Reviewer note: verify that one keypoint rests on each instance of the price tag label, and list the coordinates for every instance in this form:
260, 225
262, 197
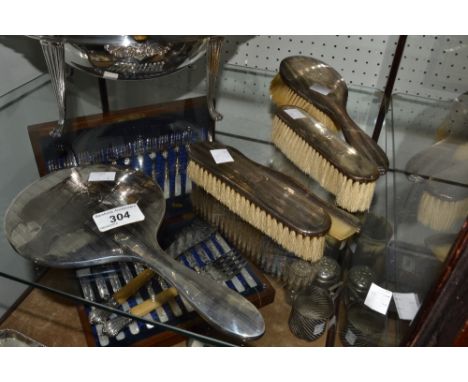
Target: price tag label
221, 156
117, 217
101, 177
110, 75
378, 299
407, 305
295, 113
320, 89
350, 337
319, 328
408, 264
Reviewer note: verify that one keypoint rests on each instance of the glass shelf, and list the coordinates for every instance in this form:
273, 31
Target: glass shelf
404, 264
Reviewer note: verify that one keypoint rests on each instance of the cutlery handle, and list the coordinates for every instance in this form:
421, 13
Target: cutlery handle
114, 326
128, 290
197, 232
99, 316
220, 306
148, 306
363, 143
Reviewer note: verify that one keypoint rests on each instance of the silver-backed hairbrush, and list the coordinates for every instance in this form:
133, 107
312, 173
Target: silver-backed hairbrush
262, 250
270, 201
321, 154
343, 224
444, 201
318, 88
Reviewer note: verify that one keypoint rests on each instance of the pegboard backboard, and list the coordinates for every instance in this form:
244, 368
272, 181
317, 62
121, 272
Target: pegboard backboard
432, 66
361, 60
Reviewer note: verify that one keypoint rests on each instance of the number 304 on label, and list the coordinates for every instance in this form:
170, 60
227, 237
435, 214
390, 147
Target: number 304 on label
117, 217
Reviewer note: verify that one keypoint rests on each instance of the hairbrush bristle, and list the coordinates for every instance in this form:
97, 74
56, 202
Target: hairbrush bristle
282, 94
265, 253
440, 215
343, 224
350, 195
306, 247
248, 240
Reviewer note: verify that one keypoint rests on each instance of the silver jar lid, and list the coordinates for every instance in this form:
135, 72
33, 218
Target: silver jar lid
299, 273
328, 272
360, 278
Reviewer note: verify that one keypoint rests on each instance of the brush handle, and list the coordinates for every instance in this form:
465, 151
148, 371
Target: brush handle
363, 143
222, 307
197, 232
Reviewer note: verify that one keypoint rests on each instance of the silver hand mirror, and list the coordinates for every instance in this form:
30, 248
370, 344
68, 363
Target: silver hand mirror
51, 223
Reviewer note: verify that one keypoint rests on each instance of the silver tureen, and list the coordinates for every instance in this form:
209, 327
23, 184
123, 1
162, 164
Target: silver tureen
126, 57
